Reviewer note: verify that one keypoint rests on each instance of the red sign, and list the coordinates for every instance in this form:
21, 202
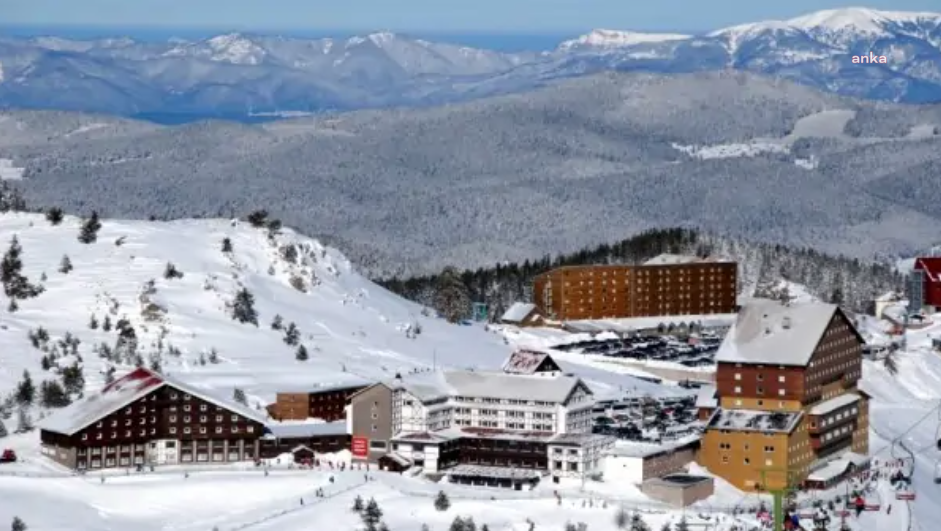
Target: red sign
360, 447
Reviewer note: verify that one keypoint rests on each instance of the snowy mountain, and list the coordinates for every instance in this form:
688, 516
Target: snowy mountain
236, 75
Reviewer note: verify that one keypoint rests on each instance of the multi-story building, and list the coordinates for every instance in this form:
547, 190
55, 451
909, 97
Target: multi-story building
788, 397
925, 284
492, 422
665, 285
144, 418
325, 402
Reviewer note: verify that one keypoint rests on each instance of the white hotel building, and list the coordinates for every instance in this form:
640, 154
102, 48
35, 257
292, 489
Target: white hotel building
506, 428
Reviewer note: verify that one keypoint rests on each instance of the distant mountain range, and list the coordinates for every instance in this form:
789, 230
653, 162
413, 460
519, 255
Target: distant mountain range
244, 76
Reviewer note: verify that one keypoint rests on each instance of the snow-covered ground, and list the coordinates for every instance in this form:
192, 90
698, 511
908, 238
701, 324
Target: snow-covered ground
351, 327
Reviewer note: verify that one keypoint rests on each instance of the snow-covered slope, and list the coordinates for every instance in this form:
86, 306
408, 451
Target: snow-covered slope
351, 327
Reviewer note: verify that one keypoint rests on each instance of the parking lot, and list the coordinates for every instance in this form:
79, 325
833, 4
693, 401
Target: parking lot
646, 419
698, 352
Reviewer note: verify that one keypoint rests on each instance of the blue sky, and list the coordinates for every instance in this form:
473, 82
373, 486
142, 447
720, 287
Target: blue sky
518, 16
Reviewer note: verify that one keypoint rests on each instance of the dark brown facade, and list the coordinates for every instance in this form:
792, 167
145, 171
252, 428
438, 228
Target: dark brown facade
618, 291
322, 444
165, 426
327, 404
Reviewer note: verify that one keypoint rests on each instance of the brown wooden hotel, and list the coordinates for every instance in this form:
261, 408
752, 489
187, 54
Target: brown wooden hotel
788, 398
665, 285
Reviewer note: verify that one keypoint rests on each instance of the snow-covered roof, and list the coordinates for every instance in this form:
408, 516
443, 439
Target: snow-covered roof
889, 296
524, 362
303, 429
706, 397
834, 404
517, 312
485, 384
836, 468
754, 420
669, 259
125, 390
641, 450
326, 387
775, 333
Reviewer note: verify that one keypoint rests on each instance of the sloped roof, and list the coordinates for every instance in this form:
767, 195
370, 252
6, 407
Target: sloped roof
706, 397
125, 390
486, 384
524, 362
770, 332
517, 312
304, 429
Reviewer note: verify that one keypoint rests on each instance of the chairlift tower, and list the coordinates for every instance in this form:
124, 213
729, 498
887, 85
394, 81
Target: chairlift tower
779, 491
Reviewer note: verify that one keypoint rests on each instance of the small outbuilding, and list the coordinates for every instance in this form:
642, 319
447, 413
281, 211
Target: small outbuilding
522, 314
679, 490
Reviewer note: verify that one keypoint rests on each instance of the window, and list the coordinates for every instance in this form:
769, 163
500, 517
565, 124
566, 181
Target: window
235, 418
235, 429
186, 407
172, 430
250, 429
738, 389
203, 407
760, 377
747, 461
218, 429
84, 436
218, 418
187, 418
173, 396
781, 378
725, 459
780, 392
187, 397
738, 376
187, 430
202, 418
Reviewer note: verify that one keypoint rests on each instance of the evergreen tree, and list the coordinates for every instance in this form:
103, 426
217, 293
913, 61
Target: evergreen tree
292, 335
358, 504
424, 527
54, 215
18, 524
442, 503
25, 390
213, 356
457, 524
170, 272
569, 526
238, 396
106, 324
621, 518
451, 300
15, 284
73, 379
371, 515
89, 231
469, 524
226, 245
277, 323
258, 218
666, 527
53, 395
3, 430
682, 525
243, 307
93, 322
638, 523
11, 200
301, 354
65, 265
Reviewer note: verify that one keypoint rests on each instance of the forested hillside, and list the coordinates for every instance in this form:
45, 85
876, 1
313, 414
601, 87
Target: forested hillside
838, 279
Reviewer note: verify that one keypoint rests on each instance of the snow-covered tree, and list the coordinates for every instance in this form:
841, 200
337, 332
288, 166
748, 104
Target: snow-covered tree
25, 390
301, 354
18, 524
621, 518
54, 215
243, 307
292, 335
451, 299
238, 395
90, 227
442, 503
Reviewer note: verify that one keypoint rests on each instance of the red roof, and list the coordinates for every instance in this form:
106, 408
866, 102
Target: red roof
931, 266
